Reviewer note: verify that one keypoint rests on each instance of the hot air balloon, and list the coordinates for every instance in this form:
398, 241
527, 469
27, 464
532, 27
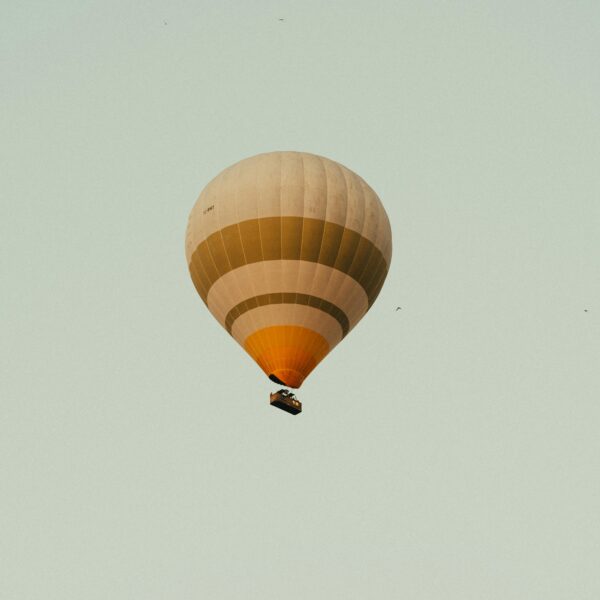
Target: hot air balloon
288, 250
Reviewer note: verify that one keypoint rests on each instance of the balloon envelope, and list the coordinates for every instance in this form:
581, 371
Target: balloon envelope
288, 250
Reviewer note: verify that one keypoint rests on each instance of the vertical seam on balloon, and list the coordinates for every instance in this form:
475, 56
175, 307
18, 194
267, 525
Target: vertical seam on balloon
310, 289
386, 250
344, 173
268, 341
194, 268
280, 290
364, 220
263, 344
219, 206
324, 221
371, 250
228, 252
376, 283
333, 269
303, 220
377, 278
239, 231
373, 247
210, 251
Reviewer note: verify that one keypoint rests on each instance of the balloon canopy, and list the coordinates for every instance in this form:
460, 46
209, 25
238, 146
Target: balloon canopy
288, 251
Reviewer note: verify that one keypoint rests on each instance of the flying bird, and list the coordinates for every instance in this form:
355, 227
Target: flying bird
399, 308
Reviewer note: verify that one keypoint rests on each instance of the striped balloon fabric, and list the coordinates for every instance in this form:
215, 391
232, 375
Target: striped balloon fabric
288, 250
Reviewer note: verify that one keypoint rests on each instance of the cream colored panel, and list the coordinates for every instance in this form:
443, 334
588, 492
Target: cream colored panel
292, 184
224, 211
246, 192
284, 184
307, 278
372, 213
269, 185
315, 187
280, 314
356, 205
344, 292
337, 200
203, 218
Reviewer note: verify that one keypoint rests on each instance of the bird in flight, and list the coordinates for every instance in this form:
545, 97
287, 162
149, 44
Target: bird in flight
399, 308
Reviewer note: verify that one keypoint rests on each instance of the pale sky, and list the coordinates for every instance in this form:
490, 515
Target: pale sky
449, 450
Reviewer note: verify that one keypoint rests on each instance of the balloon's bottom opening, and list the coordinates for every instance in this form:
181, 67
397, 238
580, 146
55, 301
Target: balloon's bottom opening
288, 377
276, 379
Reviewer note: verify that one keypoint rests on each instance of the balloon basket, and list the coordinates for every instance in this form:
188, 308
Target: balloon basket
286, 400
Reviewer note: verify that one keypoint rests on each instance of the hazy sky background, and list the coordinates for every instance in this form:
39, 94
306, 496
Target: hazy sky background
450, 450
